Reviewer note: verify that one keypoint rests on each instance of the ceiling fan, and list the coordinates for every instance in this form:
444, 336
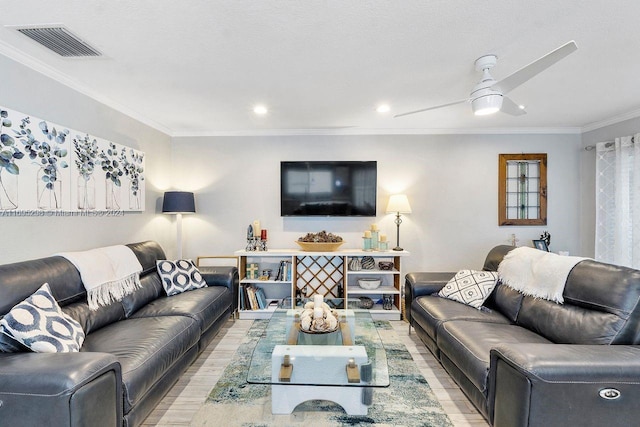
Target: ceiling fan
488, 96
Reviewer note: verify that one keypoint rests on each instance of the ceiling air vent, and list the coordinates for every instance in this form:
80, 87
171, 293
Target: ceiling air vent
60, 40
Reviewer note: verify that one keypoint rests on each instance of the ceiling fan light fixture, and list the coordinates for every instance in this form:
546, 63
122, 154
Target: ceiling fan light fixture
485, 105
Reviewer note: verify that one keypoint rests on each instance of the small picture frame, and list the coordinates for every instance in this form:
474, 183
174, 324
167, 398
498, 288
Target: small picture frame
541, 244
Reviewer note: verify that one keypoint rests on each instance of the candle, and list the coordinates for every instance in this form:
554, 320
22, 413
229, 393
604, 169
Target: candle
383, 237
374, 227
263, 234
317, 313
367, 234
317, 301
256, 228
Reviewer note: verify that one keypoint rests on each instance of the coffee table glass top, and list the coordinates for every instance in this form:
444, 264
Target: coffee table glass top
355, 348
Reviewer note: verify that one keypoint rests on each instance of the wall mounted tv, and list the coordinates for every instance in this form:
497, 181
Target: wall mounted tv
330, 188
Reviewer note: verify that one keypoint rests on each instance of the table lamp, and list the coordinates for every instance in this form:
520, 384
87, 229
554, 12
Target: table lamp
398, 204
178, 203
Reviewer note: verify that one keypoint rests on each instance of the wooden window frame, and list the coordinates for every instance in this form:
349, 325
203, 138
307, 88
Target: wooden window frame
502, 189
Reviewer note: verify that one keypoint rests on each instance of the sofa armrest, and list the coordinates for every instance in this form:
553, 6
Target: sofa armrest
418, 284
223, 276
559, 385
62, 389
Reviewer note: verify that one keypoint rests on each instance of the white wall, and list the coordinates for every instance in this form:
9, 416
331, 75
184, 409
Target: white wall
588, 172
451, 182
23, 238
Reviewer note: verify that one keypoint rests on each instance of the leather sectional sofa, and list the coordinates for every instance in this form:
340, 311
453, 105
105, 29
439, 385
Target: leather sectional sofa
134, 350
524, 361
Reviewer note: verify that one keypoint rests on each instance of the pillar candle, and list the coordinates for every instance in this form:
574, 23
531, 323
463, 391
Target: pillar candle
383, 237
263, 234
374, 227
256, 228
317, 300
367, 234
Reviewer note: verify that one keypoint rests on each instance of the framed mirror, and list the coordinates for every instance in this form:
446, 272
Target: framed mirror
522, 189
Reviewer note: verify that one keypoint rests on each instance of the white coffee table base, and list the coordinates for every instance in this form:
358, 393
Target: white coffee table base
285, 398
313, 364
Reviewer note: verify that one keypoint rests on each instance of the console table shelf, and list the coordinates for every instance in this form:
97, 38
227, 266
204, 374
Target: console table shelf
326, 273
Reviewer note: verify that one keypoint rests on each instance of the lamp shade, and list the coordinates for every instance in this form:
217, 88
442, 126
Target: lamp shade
398, 203
178, 202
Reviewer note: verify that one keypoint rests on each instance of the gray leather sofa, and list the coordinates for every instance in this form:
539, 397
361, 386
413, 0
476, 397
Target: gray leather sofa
524, 361
134, 350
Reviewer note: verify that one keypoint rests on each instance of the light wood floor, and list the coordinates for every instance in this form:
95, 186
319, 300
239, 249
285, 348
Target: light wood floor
184, 399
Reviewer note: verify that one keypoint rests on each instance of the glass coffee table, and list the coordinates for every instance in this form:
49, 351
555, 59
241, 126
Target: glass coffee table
344, 366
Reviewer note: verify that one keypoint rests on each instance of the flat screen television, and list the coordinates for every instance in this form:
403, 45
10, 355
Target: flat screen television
328, 188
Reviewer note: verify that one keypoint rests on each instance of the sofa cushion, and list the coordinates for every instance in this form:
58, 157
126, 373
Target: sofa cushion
21, 279
146, 348
468, 344
506, 300
430, 311
149, 290
601, 306
92, 320
39, 323
568, 324
205, 305
179, 276
470, 287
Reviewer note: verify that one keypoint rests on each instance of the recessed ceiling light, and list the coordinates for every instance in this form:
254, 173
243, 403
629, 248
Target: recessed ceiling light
260, 110
383, 108
521, 107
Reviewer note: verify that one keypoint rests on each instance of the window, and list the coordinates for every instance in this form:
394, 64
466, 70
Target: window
522, 189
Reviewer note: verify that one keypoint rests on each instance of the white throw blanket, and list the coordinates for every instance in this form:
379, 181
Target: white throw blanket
108, 273
537, 273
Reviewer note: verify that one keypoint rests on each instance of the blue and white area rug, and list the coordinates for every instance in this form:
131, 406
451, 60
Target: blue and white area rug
408, 401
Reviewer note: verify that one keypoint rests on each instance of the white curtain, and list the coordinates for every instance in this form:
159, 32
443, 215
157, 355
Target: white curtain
618, 201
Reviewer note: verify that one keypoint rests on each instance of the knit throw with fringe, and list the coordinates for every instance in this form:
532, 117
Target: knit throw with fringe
108, 274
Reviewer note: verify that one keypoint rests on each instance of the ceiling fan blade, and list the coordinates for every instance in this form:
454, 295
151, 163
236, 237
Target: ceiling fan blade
525, 73
432, 108
510, 107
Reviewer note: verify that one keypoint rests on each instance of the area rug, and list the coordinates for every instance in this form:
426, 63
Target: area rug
408, 401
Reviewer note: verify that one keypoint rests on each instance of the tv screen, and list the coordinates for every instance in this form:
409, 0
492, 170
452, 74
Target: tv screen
340, 188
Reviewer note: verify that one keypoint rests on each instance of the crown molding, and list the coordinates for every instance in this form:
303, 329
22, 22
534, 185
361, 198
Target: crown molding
611, 121
365, 131
44, 69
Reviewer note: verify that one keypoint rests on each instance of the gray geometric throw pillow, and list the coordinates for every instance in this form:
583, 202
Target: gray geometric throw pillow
470, 287
40, 324
179, 276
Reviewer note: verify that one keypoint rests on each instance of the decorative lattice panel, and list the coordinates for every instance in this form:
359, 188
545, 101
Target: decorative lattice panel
319, 275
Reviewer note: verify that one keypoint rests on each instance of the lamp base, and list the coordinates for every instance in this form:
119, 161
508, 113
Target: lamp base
398, 248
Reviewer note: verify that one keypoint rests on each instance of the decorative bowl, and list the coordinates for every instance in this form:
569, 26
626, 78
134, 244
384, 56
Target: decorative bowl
369, 283
365, 302
319, 246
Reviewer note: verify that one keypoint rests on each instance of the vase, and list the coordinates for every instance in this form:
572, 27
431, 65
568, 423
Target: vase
112, 200
8, 190
134, 197
86, 192
49, 192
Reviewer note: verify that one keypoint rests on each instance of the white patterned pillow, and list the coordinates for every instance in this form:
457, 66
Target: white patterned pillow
470, 287
179, 276
39, 323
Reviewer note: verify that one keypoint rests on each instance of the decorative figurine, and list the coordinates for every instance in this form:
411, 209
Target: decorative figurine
546, 237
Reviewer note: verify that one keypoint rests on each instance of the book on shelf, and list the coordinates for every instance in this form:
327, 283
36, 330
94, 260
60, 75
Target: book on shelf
252, 298
284, 271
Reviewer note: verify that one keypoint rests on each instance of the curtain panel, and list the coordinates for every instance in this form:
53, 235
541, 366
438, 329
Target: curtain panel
618, 201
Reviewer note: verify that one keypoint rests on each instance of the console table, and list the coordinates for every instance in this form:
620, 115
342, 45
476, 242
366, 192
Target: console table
324, 273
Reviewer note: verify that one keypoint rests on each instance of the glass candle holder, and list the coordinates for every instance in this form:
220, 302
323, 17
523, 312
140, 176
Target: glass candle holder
366, 243
383, 246
374, 239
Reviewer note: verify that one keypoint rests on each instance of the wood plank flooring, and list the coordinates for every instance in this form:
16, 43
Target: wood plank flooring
184, 399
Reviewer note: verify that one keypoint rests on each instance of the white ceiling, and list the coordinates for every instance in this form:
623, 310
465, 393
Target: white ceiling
194, 67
